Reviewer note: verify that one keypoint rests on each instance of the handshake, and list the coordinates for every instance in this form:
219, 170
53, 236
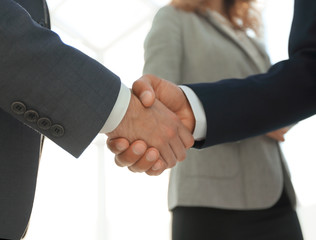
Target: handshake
156, 130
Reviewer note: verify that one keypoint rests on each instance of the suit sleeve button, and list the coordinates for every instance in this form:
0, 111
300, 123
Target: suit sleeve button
44, 123
18, 108
57, 130
31, 116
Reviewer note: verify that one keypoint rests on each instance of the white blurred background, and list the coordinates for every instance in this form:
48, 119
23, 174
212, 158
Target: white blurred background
90, 197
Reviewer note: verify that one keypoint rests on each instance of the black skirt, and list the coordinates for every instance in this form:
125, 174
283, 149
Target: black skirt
279, 222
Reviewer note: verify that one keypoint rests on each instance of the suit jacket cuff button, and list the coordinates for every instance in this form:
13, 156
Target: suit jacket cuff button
18, 108
31, 116
57, 130
44, 123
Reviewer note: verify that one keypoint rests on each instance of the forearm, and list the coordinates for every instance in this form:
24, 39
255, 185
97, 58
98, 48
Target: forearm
237, 109
57, 81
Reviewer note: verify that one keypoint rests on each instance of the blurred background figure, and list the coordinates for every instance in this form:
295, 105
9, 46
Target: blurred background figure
239, 190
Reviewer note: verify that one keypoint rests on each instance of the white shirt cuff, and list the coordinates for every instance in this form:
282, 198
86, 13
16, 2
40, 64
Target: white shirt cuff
199, 113
118, 111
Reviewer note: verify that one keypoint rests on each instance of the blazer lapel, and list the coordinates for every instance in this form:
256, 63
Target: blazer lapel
229, 35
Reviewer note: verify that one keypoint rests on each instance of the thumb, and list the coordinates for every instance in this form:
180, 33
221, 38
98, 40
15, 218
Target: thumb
143, 89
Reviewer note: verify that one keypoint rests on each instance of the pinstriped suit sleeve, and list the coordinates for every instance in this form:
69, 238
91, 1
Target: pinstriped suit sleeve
286, 94
55, 80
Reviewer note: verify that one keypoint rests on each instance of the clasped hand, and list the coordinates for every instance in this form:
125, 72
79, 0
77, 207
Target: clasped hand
156, 130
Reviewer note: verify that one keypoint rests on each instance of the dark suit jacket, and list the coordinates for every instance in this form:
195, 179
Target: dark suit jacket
48, 87
237, 109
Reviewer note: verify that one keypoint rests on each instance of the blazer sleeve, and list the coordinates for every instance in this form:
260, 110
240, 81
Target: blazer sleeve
241, 108
163, 48
51, 87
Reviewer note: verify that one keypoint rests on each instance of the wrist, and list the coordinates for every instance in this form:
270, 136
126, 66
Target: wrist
127, 120
118, 110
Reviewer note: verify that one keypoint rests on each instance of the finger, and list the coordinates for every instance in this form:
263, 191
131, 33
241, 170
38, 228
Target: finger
130, 156
170, 145
157, 169
280, 135
167, 155
186, 137
117, 145
146, 162
281, 138
144, 90
277, 136
178, 148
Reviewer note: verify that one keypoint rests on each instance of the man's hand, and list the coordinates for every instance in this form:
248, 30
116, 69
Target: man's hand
137, 156
149, 87
158, 127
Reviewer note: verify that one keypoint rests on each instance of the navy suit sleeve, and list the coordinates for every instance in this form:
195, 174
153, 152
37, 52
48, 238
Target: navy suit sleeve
241, 108
57, 82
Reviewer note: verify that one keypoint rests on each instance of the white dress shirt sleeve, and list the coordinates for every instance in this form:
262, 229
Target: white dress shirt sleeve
199, 113
118, 111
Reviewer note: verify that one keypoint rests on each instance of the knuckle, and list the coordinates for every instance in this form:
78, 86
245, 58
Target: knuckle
135, 84
171, 133
160, 142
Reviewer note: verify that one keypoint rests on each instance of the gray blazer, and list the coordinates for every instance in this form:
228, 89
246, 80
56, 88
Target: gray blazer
187, 48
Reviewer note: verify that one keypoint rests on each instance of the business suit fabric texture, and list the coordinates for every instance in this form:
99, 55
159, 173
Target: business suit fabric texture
184, 48
20, 148
63, 83
43, 83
